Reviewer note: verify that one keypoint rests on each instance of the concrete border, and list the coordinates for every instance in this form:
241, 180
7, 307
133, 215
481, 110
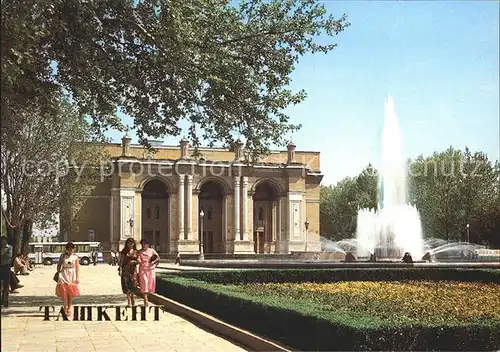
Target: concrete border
240, 336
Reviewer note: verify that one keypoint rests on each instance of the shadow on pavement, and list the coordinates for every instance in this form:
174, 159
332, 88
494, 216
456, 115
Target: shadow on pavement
26, 304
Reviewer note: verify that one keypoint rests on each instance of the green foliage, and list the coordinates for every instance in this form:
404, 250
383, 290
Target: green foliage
344, 274
222, 66
339, 204
304, 325
38, 149
450, 189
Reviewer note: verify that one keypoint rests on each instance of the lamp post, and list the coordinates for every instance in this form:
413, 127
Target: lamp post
468, 237
202, 214
306, 224
131, 223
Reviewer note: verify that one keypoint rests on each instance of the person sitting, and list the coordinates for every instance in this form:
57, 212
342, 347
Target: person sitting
25, 259
14, 283
20, 266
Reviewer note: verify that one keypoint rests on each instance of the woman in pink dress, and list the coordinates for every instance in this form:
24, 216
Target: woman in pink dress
69, 274
148, 258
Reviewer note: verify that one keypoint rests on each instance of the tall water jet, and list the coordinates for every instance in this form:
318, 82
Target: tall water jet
394, 227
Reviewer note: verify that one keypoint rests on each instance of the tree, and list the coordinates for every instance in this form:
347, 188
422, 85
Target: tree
339, 204
222, 66
452, 189
37, 150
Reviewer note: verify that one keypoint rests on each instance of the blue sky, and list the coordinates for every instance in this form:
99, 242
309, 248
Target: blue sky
440, 62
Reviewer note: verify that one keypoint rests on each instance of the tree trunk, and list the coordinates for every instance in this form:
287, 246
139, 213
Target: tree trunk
27, 233
13, 237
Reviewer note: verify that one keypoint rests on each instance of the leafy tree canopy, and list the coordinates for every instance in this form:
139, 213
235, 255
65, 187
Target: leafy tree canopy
222, 66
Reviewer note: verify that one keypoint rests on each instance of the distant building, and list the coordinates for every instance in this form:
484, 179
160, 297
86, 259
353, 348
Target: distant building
268, 207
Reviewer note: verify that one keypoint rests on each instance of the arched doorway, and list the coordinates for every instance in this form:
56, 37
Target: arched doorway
264, 222
210, 201
155, 215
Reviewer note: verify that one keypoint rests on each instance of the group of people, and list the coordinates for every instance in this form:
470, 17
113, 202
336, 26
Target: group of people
135, 267
9, 280
142, 280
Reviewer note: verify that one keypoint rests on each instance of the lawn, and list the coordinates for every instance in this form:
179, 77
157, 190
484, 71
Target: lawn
349, 309
408, 303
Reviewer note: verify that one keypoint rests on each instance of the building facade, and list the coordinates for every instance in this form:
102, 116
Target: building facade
213, 202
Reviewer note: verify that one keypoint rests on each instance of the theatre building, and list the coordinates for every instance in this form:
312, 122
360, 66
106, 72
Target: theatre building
214, 201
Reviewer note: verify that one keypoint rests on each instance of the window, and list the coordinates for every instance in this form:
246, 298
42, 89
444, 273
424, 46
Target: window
209, 215
148, 212
82, 248
55, 249
261, 214
157, 211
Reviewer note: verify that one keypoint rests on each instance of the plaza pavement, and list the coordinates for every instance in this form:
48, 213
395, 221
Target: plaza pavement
23, 328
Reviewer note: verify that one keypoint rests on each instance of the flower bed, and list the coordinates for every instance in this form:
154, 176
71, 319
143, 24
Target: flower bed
410, 302
350, 315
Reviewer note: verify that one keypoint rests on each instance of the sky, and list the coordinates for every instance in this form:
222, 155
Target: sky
439, 60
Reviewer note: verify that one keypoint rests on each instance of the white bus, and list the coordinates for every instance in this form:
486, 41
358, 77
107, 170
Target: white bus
48, 253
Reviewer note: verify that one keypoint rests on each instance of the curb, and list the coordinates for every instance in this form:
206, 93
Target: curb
240, 336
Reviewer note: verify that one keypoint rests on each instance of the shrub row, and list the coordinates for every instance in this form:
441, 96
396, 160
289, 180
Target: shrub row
335, 275
312, 332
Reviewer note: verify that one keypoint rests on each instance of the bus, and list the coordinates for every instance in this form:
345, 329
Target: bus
48, 253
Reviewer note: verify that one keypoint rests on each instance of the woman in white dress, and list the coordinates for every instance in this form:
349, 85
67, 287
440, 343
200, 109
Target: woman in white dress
69, 273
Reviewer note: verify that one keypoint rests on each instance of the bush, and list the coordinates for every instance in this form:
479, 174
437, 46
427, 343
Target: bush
305, 327
335, 275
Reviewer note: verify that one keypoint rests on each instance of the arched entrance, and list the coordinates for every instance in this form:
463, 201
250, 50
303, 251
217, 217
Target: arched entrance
155, 215
264, 221
210, 201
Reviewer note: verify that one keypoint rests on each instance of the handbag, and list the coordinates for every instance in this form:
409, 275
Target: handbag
153, 258
56, 276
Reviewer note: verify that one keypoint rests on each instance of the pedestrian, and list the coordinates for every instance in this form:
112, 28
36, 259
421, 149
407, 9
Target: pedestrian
5, 264
114, 260
68, 269
94, 256
148, 258
128, 270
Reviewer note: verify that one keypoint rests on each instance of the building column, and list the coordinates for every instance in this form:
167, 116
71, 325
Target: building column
189, 210
224, 223
244, 208
278, 225
127, 203
111, 224
180, 220
237, 234
139, 214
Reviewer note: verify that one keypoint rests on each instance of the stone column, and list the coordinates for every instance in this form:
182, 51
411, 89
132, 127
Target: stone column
181, 207
244, 208
278, 225
111, 224
126, 145
237, 234
189, 210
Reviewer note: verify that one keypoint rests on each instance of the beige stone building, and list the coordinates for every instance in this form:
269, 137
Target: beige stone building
180, 203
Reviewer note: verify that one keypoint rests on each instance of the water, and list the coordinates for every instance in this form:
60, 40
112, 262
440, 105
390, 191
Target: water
394, 227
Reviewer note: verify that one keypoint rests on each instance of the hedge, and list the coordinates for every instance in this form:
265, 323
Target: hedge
335, 275
305, 329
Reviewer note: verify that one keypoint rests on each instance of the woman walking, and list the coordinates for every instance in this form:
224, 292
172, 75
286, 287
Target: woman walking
128, 270
69, 277
148, 258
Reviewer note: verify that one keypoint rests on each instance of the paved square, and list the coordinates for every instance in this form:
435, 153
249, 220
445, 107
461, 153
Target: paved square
23, 327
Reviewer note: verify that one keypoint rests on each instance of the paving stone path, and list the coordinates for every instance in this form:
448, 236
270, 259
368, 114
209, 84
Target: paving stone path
24, 329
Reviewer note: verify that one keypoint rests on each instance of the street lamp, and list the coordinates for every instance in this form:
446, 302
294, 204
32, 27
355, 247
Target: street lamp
468, 237
306, 224
202, 214
131, 224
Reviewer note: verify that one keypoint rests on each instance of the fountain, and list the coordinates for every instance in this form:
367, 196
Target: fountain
394, 228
